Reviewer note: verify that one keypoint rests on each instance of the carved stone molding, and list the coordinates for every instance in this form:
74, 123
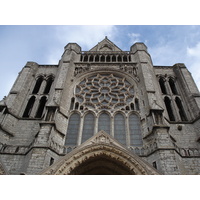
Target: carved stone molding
105, 91
130, 68
101, 145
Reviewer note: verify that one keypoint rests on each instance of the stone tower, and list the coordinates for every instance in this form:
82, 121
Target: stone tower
102, 111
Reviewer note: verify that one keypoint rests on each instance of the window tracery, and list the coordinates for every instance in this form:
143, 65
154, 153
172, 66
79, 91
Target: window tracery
104, 91
172, 97
107, 102
38, 97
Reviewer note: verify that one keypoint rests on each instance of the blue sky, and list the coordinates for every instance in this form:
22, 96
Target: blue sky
45, 44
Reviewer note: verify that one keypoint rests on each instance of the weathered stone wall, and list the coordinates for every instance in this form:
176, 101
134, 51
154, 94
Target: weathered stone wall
31, 145
191, 166
13, 163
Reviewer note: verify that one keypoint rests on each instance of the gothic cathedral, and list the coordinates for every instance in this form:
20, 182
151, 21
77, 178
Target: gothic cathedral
101, 112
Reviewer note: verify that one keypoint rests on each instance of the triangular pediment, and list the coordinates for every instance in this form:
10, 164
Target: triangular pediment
105, 45
102, 138
101, 145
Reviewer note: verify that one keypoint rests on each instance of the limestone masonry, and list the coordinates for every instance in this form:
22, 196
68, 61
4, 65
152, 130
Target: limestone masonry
102, 111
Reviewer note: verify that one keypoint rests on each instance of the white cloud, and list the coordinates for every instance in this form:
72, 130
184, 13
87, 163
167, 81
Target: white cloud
193, 54
172, 52
134, 37
166, 54
167, 45
195, 51
85, 36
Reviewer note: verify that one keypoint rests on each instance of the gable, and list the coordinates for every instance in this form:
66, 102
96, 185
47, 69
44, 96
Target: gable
105, 45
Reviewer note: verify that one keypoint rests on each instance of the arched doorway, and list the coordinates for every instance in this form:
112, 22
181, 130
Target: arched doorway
101, 165
101, 155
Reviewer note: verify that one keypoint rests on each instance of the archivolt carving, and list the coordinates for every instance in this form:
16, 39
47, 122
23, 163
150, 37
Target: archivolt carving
119, 155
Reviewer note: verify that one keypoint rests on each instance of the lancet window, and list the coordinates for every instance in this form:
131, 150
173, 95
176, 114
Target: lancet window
172, 98
29, 107
49, 83
38, 97
73, 129
119, 128
104, 123
126, 130
37, 85
88, 127
135, 130
162, 86
169, 108
180, 109
173, 86
41, 106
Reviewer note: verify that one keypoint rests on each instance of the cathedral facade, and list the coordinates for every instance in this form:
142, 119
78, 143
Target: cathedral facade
101, 112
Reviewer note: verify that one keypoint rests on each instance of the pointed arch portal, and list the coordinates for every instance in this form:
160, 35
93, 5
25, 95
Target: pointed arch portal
101, 155
101, 164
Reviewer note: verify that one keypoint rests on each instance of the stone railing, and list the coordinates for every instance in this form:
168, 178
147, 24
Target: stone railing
188, 152
140, 151
146, 150
14, 149
11, 149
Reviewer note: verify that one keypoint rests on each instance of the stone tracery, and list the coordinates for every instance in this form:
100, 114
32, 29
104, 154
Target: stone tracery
104, 97
104, 91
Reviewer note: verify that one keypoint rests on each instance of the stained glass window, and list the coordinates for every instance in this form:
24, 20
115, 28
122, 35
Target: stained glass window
104, 92
88, 127
119, 128
135, 131
104, 123
73, 129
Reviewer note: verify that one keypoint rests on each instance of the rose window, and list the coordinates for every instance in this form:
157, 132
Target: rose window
104, 91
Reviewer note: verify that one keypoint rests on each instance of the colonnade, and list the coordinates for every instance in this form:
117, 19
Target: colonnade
105, 58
